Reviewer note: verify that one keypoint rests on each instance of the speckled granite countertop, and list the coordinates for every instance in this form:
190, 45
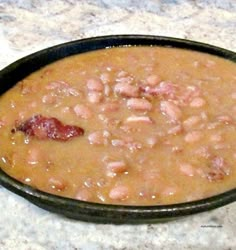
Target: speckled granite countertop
29, 25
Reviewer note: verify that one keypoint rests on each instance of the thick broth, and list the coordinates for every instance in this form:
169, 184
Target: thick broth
158, 126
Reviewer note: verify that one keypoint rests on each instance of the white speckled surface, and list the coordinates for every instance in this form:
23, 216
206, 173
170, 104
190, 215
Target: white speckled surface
30, 25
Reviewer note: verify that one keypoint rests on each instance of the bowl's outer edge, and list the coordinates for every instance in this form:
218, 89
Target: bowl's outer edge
98, 212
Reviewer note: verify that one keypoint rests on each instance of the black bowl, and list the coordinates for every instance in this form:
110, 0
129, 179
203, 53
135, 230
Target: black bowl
89, 211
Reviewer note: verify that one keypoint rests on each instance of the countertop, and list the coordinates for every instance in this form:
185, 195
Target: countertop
29, 25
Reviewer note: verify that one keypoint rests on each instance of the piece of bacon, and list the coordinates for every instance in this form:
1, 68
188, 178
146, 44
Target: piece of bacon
44, 127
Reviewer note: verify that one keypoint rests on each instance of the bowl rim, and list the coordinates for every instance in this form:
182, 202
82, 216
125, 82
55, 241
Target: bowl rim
96, 212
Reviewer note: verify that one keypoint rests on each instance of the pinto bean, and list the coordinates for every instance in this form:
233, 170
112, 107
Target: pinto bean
110, 107
153, 80
204, 116
175, 130
57, 183
126, 90
152, 141
122, 73
95, 85
102, 182
118, 143
225, 119
72, 92
49, 99
95, 97
212, 125
190, 93
164, 89
82, 111
62, 88
187, 169
142, 119
57, 85
117, 167
34, 156
197, 102
65, 110
105, 77
139, 104
176, 149
83, 195
196, 64
171, 110
203, 151
33, 104
193, 136
133, 146
125, 80
107, 90
99, 137
119, 193
191, 121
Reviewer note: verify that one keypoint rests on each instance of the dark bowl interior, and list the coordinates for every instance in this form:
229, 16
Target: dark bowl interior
89, 211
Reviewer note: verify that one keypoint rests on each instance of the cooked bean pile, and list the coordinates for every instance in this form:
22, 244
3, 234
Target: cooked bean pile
133, 126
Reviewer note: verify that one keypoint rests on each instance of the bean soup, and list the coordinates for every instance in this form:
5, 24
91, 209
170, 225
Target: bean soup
128, 125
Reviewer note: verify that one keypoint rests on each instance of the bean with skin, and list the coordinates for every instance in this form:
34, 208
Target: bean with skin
153, 80
219, 169
95, 85
191, 121
117, 167
95, 97
175, 130
152, 141
126, 90
187, 169
142, 119
197, 102
193, 136
49, 99
139, 104
83, 195
166, 89
34, 156
98, 137
119, 193
110, 107
57, 183
171, 110
82, 111
105, 77
118, 143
